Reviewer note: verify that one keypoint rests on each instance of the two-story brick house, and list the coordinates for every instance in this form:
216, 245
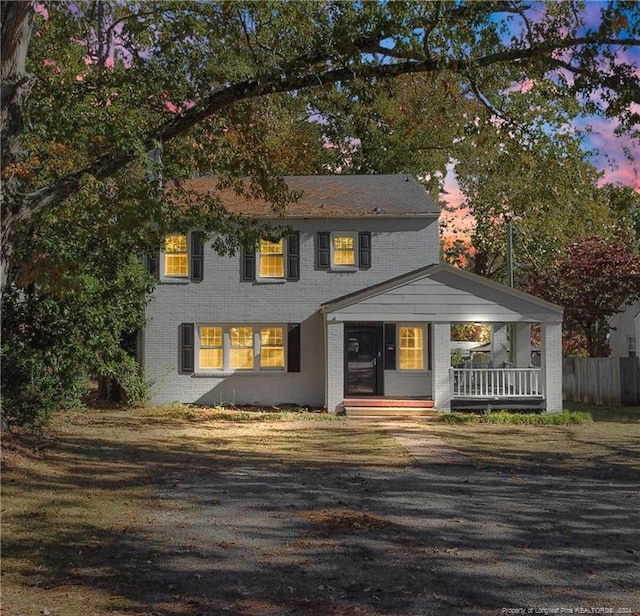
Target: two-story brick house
351, 307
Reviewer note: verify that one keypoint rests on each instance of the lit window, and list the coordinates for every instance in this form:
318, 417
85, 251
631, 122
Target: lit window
175, 256
271, 347
211, 348
241, 348
344, 249
271, 259
411, 348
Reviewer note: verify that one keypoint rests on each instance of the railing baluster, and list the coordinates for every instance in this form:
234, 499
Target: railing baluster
496, 382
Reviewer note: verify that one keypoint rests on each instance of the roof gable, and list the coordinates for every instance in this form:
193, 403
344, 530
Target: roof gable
442, 292
333, 196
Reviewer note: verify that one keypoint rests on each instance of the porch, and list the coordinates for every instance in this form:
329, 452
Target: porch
409, 347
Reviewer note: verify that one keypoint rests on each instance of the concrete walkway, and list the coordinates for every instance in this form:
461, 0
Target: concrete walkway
425, 448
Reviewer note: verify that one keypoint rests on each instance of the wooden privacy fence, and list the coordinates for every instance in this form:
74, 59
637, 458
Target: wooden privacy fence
601, 380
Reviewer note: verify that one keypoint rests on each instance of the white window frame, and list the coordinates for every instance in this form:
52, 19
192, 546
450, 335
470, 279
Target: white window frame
226, 349
162, 263
339, 266
282, 278
425, 343
632, 346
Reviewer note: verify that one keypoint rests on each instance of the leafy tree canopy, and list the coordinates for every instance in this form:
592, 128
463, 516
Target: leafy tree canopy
107, 82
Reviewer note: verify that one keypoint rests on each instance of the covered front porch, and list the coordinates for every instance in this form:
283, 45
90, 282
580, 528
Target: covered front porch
407, 354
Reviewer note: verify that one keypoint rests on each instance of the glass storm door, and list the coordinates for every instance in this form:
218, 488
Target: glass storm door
363, 344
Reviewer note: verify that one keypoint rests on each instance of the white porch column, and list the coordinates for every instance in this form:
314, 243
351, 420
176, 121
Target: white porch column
551, 334
441, 340
521, 353
499, 345
334, 394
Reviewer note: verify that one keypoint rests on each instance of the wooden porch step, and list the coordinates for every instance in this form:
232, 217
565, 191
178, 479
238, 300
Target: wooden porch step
389, 407
398, 403
364, 412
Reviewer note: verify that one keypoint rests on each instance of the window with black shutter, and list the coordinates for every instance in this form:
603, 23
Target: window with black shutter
323, 250
364, 249
390, 346
187, 348
293, 347
247, 265
293, 256
197, 256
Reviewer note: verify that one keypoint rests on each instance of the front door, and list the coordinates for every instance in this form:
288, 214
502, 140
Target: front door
363, 345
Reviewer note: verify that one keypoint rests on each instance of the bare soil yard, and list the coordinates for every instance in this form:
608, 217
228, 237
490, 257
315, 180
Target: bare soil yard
181, 512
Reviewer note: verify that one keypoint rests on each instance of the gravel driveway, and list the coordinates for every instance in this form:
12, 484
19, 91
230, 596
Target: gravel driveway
431, 538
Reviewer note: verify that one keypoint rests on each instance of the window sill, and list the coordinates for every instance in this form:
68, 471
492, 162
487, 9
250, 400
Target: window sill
270, 280
174, 281
218, 374
343, 270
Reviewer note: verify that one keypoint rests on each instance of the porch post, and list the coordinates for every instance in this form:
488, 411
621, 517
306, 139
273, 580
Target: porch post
334, 351
551, 334
521, 354
441, 335
499, 345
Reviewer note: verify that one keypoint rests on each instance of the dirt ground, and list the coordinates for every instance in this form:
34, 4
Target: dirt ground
152, 516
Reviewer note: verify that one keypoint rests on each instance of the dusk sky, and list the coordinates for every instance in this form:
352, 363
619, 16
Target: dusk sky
617, 157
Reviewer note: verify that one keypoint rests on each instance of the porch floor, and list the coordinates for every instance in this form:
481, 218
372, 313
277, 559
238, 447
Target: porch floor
389, 407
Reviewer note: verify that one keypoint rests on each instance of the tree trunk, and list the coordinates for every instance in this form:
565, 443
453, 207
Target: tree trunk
15, 82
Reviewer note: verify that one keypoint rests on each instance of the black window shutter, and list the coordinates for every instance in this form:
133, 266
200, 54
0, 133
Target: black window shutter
389, 346
153, 264
429, 354
197, 256
323, 250
293, 256
364, 249
187, 348
293, 348
248, 265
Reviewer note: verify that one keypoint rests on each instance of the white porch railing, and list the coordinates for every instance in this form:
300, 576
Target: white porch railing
496, 382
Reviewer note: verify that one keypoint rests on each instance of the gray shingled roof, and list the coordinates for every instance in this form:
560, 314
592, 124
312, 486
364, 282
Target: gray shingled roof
335, 196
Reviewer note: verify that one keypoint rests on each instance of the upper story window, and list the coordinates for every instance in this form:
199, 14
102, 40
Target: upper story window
180, 260
271, 259
176, 258
343, 250
631, 346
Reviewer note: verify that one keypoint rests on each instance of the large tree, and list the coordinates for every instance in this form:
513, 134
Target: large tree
100, 84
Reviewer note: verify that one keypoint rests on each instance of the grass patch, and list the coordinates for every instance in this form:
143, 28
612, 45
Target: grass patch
565, 418
192, 412
606, 413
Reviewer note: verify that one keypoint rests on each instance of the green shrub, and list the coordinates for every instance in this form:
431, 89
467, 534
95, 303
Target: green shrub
564, 418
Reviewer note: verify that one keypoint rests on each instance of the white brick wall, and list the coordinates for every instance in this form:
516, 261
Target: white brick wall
222, 298
335, 366
552, 365
441, 333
